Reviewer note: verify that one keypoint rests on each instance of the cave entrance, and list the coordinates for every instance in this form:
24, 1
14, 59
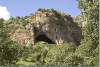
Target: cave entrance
44, 38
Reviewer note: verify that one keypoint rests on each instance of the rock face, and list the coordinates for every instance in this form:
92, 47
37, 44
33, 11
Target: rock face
53, 27
48, 26
22, 36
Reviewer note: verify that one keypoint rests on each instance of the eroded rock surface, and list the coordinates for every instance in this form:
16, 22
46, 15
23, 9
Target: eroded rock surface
55, 26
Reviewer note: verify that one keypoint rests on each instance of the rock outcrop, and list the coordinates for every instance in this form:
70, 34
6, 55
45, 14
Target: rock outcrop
49, 26
53, 27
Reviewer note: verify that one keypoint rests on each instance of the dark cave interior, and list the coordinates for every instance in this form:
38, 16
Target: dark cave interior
44, 38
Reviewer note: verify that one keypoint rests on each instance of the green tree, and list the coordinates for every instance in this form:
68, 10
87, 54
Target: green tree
88, 48
90, 13
9, 50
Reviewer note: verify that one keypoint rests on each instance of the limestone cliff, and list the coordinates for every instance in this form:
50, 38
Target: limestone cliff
54, 27
46, 25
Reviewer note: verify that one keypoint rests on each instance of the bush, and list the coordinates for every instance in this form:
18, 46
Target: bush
86, 48
9, 50
58, 53
34, 55
74, 60
9, 53
89, 51
46, 54
91, 61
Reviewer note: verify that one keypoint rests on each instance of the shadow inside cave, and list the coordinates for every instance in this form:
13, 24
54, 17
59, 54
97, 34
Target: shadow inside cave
43, 37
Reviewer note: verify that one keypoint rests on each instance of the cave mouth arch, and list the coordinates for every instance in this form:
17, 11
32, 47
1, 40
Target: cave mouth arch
43, 37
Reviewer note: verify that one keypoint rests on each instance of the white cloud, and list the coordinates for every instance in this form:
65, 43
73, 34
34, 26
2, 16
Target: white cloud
4, 13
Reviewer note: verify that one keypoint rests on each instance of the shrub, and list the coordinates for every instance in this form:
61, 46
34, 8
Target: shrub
58, 53
34, 55
46, 54
9, 53
86, 48
74, 60
9, 50
89, 51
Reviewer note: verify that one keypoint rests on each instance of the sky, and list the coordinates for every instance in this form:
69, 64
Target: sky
26, 7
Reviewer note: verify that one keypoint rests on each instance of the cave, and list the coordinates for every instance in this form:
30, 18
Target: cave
44, 38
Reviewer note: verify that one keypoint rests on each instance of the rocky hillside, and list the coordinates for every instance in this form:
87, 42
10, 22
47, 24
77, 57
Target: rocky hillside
50, 26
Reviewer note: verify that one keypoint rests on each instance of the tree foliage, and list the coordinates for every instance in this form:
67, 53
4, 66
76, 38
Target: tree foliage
9, 50
90, 13
87, 53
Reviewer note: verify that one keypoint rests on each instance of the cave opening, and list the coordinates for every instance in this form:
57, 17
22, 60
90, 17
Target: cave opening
44, 38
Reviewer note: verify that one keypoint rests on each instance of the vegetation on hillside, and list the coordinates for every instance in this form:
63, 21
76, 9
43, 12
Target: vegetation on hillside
86, 54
